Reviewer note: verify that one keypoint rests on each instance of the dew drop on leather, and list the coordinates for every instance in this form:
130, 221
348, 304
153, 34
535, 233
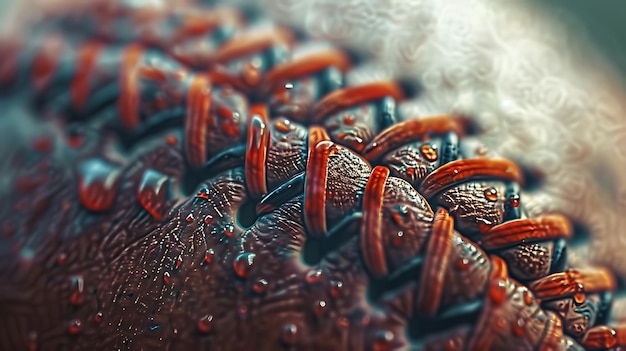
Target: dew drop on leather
462, 264
205, 324
579, 298
527, 297
244, 264
314, 276
519, 327
208, 219
171, 140
77, 296
397, 239
491, 194
514, 201
179, 262
336, 288
383, 340
203, 194
98, 182
283, 126
208, 256
166, 277
153, 192
497, 291
319, 307
229, 230
260, 286
290, 334
74, 327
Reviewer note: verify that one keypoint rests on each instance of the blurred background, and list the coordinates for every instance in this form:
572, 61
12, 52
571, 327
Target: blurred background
545, 79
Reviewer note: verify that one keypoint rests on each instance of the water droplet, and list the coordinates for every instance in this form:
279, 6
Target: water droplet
98, 183
98, 317
462, 264
519, 327
153, 192
189, 218
319, 307
208, 219
336, 288
528, 297
229, 230
397, 239
205, 324
349, 119
383, 340
455, 171
175, 333
260, 286
208, 256
61, 259
179, 261
491, 194
497, 291
74, 326
203, 193
514, 201
244, 264
171, 140
579, 298
314, 276
77, 296
166, 277
283, 125
290, 334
